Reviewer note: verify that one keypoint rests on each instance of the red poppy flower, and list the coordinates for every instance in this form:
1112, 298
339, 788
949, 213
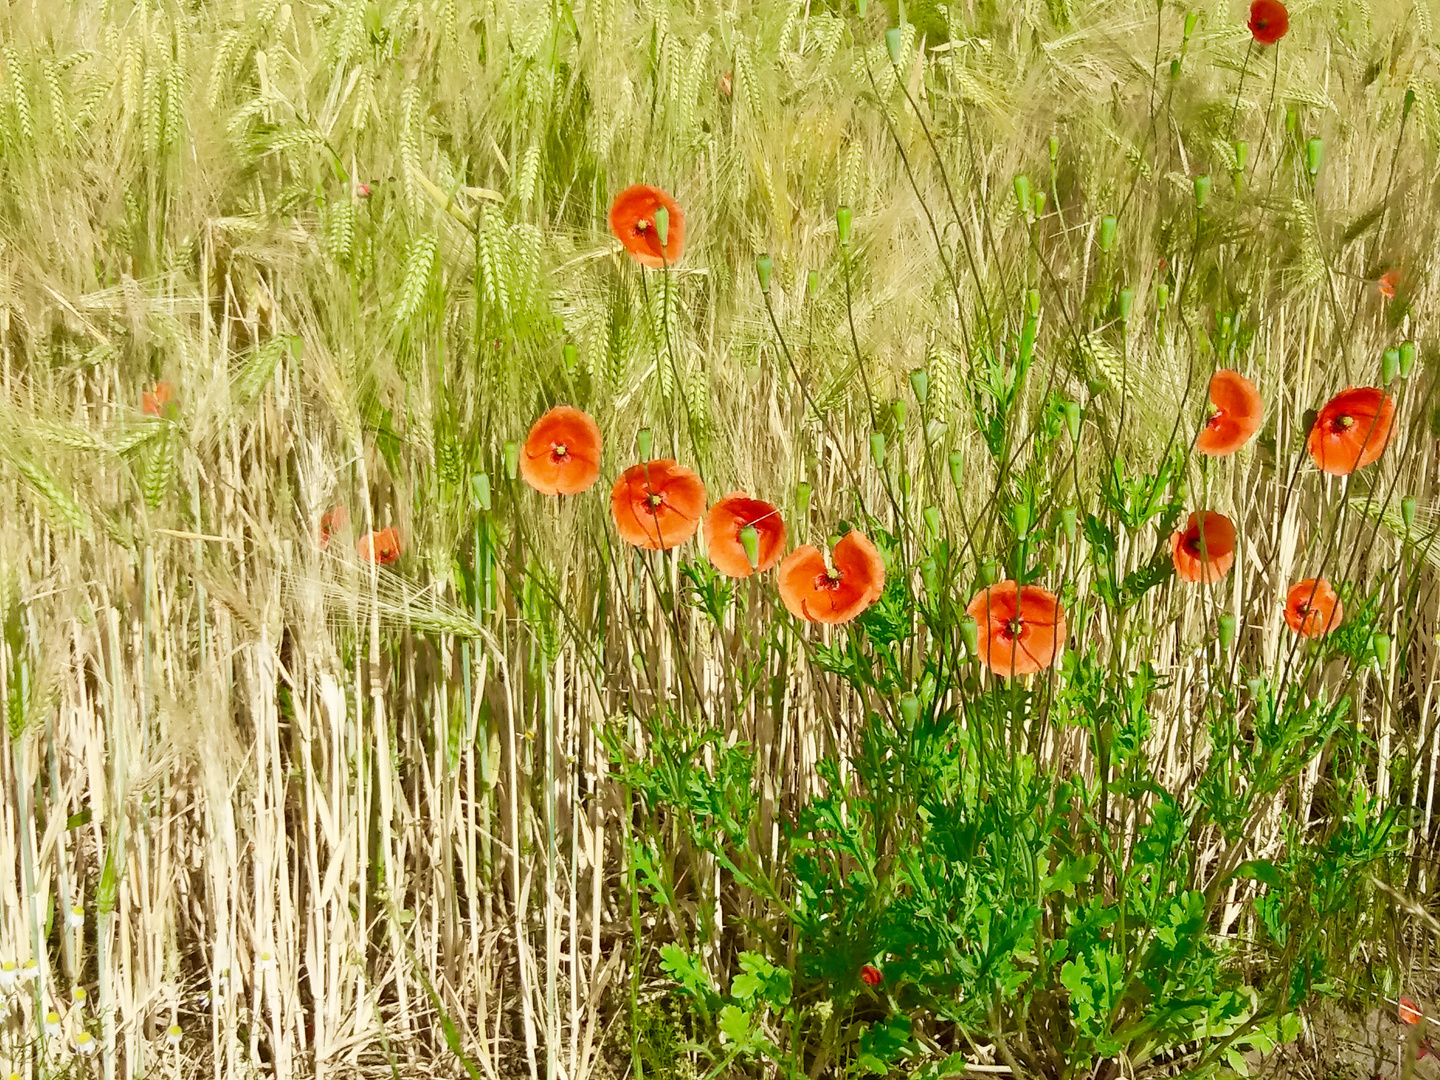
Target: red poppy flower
1205, 550
1268, 21
331, 522
1312, 608
657, 505
722, 534
155, 400
1410, 1013
836, 593
381, 547
725, 84
562, 452
1021, 627
871, 975
1238, 411
1351, 430
632, 219
1389, 284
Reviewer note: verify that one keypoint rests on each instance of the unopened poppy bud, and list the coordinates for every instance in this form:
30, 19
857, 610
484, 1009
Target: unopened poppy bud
1020, 519
1039, 208
812, 282
1174, 69
1381, 644
1314, 151
1227, 630
1067, 522
860, 6
930, 575
987, 573
900, 411
1027, 339
1407, 512
802, 500
970, 634
1032, 302
1202, 191
910, 709
764, 267
842, 224
512, 459
1127, 303
892, 44
1409, 102
1191, 19
1107, 232
1407, 358
1022, 193
750, 541
1292, 120
920, 384
1242, 155
662, 225
644, 440
480, 487
1389, 365
932, 521
1162, 296
1072, 419
570, 356
957, 469
877, 449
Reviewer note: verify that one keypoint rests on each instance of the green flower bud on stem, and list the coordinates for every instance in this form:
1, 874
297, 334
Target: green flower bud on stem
1381, 644
910, 709
957, 470
1162, 296
842, 224
920, 385
1227, 631
644, 440
900, 411
877, 449
892, 44
512, 459
1072, 419
1127, 304
480, 487
1407, 512
764, 267
1067, 522
988, 573
750, 541
970, 634
812, 282
1022, 194
1407, 358
1020, 519
930, 575
1202, 191
1107, 232
662, 225
1314, 152
932, 521
1389, 366
1039, 207
1242, 155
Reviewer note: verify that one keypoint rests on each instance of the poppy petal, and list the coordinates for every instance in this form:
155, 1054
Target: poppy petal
561, 455
632, 220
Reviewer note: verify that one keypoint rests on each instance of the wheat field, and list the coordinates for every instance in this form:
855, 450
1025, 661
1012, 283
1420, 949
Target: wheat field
271, 809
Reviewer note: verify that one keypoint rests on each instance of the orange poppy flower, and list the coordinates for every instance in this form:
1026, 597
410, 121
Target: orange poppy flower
1021, 627
1208, 558
657, 505
331, 522
1410, 1013
1389, 284
632, 219
1268, 21
562, 452
154, 401
381, 547
722, 534
1238, 411
1351, 430
1312, 608
871, 974
836, 593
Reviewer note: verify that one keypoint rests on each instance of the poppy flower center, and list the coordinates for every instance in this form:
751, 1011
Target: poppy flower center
1303, 607
1012, 627
559, 451
828, 581
1343, 423
642, 225
653, 502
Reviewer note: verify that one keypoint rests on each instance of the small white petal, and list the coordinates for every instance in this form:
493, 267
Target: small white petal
85, 1043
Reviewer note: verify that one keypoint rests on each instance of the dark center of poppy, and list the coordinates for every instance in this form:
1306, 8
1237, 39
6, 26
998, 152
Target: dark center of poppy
653, 502
1344, 423
1262, 22
1011, 628
828, 581
1303, 607
559, 451
642, 225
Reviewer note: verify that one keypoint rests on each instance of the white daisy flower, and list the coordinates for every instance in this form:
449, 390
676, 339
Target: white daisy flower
78, 995
52, 1023
85, 1043
172, 1034
267, 962
75, 917
30, 972
9, 974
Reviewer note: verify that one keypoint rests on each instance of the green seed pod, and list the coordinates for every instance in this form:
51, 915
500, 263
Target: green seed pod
910, 709
892, 44
812, 282
1381, 644
1020, 519
1054, 149
480, 487
1314, 152
957, 469
877, 449
987, 574
764, 267
750, 541
512, 459
900, 412
920, 385
644, 440
930, 575
1072, 419
662, 225
1227, 631
1039, 204
1292, 119
1407, 512
1107, 232
1067, 522
1389, 366
1162, 296
1407, 358
1127, 304
860, 6
1174, 69
1242, 155
932, 521
842, 224
570, 355
1202, 191
1022, 194
1191, 19
970, 634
